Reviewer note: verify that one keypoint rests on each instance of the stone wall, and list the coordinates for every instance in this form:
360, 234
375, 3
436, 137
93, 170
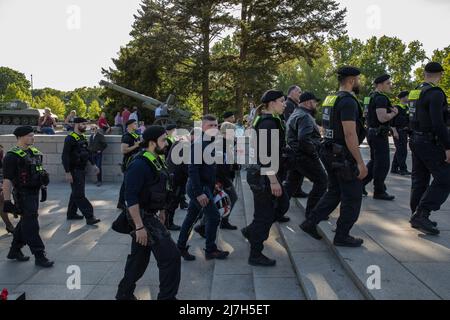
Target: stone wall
52, 146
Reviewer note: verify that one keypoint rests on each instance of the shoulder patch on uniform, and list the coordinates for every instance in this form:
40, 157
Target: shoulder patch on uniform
367, 100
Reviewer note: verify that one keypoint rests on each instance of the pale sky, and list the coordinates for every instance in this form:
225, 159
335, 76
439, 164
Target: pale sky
65, 43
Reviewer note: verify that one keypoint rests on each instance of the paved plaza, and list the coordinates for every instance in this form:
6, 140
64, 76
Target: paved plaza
411, 265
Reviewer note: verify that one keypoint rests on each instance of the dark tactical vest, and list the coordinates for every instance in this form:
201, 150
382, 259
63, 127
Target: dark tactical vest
154, 194
80, 154
31, 174
127, 157
330, 121
417, 106
370, 109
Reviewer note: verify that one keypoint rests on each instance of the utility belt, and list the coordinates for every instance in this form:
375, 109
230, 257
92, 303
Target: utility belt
340, 160
381, 131
424, 136
155, 229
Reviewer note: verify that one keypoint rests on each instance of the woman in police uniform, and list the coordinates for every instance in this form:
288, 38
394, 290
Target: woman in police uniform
270, 200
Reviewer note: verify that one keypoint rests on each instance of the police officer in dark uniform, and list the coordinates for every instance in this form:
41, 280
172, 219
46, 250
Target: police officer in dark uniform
303, 138
292, 102
380, 113
24, 176
344, 132
75, 157
129, 146
430, 146
400, 128
265, 178
171, 132
146, 186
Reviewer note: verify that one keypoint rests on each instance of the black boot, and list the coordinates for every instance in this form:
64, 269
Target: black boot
383, 196
216, 254
185, 254
41, 260
225, 224
347, 241
420, 221
17, 254
170, 225
311, 229
183, 204
75, 217
91, 221
258, 259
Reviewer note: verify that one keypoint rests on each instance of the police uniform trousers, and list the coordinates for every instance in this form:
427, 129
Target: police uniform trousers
428, 159
121, 202
78, 198
379, 163
167, 257
27, 230
267, 210
401, 151
175, 197
313, 169
347, 192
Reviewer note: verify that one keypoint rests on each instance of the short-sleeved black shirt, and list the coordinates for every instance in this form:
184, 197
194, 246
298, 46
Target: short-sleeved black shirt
347, 109
128, 139
11, 164
380, 101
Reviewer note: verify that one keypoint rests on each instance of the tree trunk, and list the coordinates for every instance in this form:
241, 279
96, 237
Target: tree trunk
206, 61
241, 74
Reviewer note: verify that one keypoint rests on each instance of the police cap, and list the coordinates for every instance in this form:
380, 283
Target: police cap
348, 71
382, 79
306, 96
434, 67
79, 120
171, 126
228, 114
22, 131
130, 122
152, 133
403, 94
271, 95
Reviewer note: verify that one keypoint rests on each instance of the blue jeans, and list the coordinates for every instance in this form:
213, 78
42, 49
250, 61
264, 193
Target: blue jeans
195, 211
47, 130
97, 158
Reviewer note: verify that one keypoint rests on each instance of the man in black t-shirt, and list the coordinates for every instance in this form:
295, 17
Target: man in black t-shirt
380, 114
342, 122
129, 147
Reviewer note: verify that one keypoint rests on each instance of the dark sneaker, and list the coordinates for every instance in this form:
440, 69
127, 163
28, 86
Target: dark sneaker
245, 233
225, 224
383, 196
421, 222
92, 221
184, 205
405, 173
311, 229
173, 227
347, 241
261, 260
75, 217
300, 194
42, 261
216, 254
283, 219
200, 229
185, 254
364, 192
17, 254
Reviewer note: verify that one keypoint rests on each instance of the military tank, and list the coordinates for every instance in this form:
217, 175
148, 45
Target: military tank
18, 113
180, 117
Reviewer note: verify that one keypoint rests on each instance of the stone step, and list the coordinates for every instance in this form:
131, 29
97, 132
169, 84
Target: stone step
396, 281
318, 270
273, 283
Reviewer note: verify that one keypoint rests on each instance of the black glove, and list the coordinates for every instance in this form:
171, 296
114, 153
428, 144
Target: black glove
9, 207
